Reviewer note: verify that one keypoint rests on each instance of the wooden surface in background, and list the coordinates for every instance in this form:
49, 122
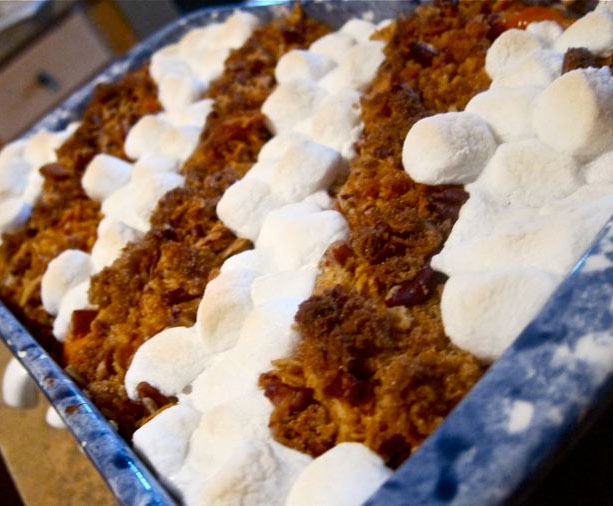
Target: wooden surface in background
46, 464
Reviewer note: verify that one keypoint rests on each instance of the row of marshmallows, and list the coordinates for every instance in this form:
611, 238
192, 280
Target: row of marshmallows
20, 179
535, 152
159, 144
20, 186
214, 446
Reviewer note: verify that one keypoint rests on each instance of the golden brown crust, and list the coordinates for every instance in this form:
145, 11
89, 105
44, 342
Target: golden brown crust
158, 281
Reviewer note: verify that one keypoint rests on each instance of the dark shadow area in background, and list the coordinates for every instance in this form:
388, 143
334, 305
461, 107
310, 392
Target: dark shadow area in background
584, 477
8, 493
192, 5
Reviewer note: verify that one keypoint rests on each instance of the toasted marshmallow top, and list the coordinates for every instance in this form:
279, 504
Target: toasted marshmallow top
538, 195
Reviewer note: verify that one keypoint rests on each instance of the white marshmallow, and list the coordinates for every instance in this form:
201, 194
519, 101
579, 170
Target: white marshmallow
384, 23
601, 169
357, 69
53, 418
447, 148
547, 31
14, 212
167, 61
12, 150
193, 115
219, 382
321, 198
208, 63
173, 66
271, 231
482, 215
244, 206
76, 298
296, 237
112, 237
223, 309
199, 39
337, 123
507, 111
168, 361
508, 49
345, 475
163, 440
256, 471
230, 34
13, 177
34, 187
266, 335
523, 173
64, 272
105, 174
276, 147
539, 68
70, 129
604, 6
179, 142
145, 135
584, 213
298, 284
551, 243
40, 148
263, 170
302, 64
153, 164
589, 194
305, 169
594, 31
290, 103
359, 29
221, 431
237, 29
474, 305
176, 91
575, 113
18, 388
334, 45
233, 460
251, 259
134, 203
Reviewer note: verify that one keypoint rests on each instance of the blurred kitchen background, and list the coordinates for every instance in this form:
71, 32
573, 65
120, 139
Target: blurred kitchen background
49, 47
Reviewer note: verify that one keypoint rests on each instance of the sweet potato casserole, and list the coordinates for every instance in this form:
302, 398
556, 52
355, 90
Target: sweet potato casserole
325, 171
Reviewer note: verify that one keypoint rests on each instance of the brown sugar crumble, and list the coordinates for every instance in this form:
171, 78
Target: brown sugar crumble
158, 281
64, 217
374, 364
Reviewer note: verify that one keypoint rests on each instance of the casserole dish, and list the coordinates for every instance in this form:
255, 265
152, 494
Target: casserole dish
518, 407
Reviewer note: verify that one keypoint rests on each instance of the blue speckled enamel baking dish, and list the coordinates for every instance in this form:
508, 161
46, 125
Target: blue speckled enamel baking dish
559, 371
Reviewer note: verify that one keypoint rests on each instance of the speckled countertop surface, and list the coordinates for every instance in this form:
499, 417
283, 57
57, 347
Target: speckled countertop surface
46, 464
